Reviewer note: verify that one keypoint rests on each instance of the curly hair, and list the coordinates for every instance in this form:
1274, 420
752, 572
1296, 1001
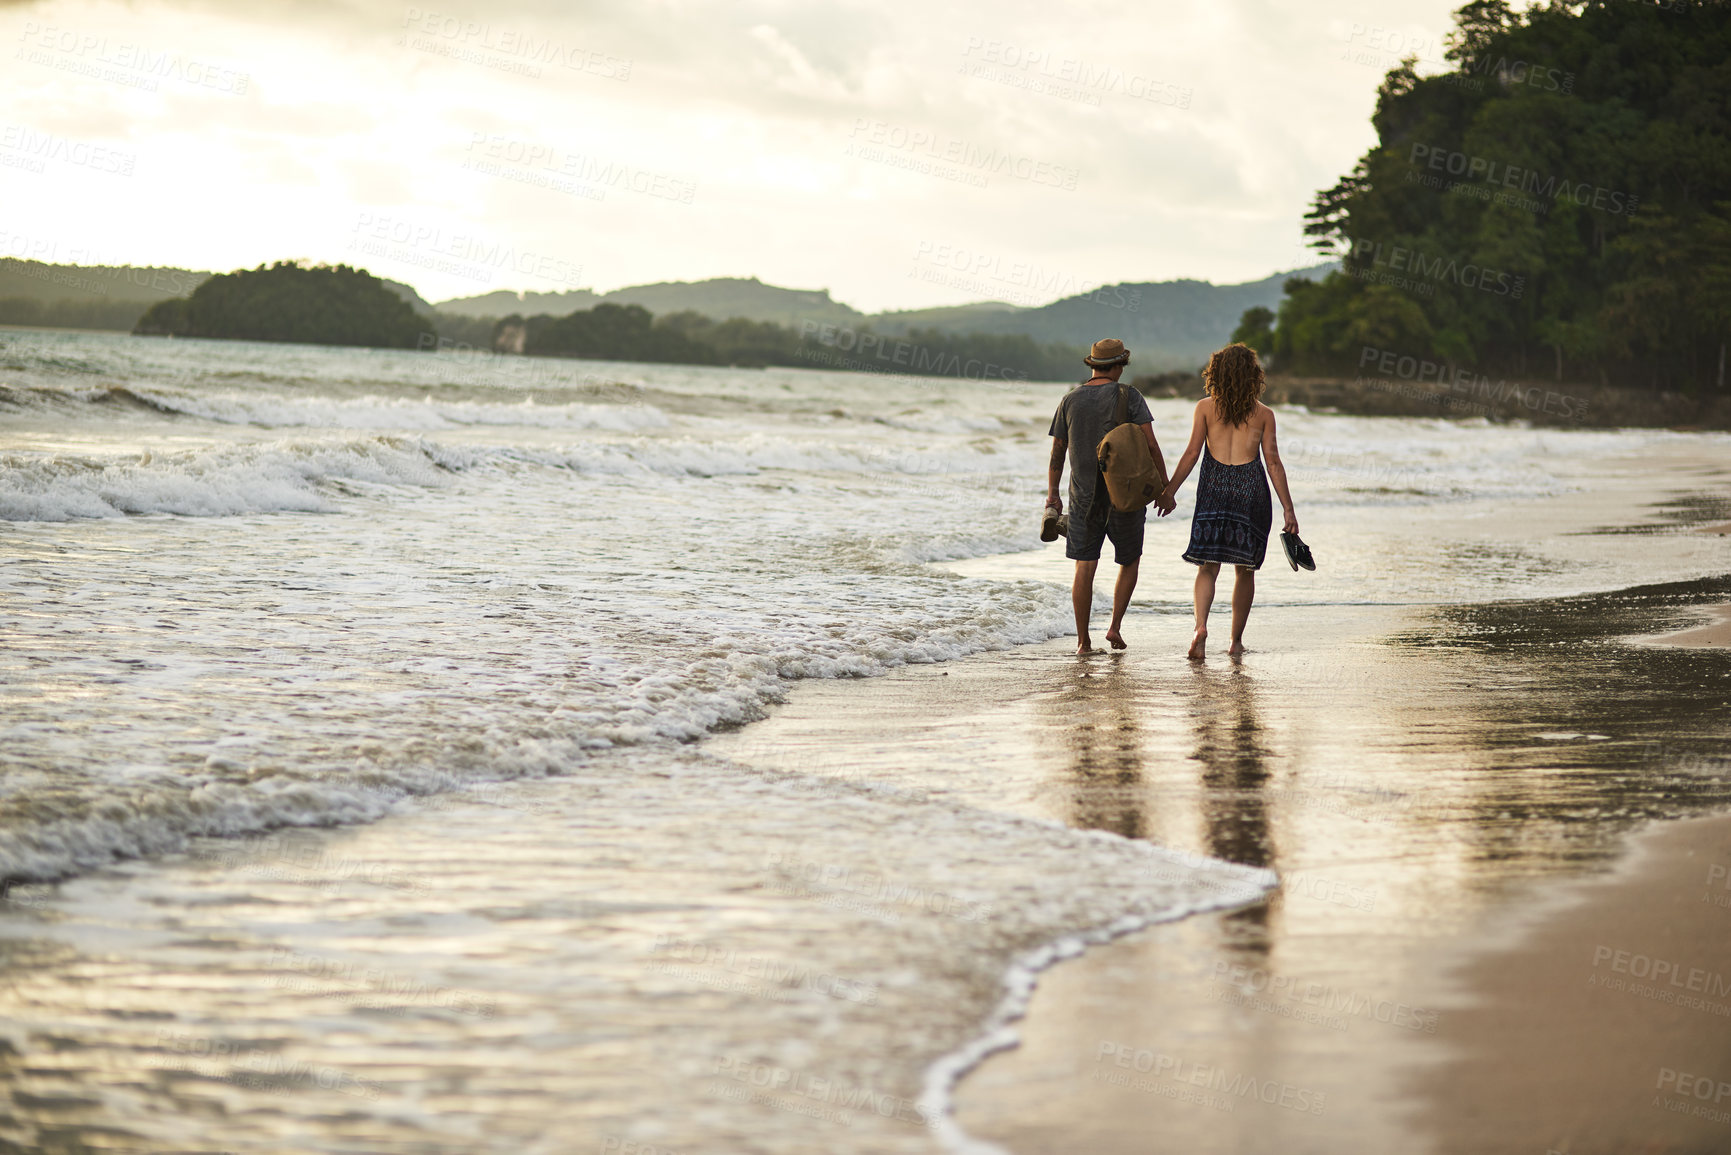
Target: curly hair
1234, 379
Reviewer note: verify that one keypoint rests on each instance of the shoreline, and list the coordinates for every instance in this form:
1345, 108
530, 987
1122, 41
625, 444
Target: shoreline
997, 1033
1298, 760
888, 926
909, 717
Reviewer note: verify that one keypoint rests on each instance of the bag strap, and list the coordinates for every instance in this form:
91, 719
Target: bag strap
1123, 405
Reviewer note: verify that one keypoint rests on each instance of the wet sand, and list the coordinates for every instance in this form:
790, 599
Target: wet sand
1539, 1030
1709, 636
1607, 1026
1425, 780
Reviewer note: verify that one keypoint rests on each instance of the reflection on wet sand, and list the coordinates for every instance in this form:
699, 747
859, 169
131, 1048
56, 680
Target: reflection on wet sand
1100, 720
1405, 790
1231, 745
1104, 783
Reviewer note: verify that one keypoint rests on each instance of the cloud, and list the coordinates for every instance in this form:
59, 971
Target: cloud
1139, 141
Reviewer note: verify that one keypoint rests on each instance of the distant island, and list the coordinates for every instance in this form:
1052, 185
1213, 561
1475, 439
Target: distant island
287, 301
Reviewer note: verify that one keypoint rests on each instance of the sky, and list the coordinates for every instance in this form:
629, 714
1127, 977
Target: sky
900, 154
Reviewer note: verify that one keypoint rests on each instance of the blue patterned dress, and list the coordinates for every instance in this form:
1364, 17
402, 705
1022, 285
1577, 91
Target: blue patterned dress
1233, 513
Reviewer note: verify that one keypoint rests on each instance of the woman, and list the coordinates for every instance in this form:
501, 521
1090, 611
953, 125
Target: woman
1233, 434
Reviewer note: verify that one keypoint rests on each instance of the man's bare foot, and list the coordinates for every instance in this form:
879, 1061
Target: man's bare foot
1235, 650
1085, 646
1198, 646
1117, 639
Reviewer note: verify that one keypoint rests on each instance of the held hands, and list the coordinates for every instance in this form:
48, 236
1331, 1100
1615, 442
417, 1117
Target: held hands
1291, 520
1167, 501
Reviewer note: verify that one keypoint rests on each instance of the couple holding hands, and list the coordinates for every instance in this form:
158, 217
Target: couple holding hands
1232, 435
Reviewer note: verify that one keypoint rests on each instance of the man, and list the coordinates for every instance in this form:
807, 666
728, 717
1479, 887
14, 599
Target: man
1085, 415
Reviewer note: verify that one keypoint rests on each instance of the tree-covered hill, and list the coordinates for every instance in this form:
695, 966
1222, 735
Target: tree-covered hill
40, 281
54, 296
632, 333
319, 305
1167, 324
1559, 203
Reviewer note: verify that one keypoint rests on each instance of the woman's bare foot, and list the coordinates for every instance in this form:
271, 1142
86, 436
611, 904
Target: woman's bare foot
1198, 646
1085, 646
1235, 650
1117, 639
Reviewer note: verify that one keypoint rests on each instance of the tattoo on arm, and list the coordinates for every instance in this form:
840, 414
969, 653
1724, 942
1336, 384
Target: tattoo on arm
1059, 448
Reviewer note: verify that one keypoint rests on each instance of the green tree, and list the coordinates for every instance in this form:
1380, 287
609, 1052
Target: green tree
1713, 299
1548, 207
1256, 329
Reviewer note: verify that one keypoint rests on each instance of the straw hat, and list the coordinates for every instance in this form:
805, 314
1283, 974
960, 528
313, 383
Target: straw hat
1106, 353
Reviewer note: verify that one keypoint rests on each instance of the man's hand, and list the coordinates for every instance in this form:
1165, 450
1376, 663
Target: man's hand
1052, 502
1165, 503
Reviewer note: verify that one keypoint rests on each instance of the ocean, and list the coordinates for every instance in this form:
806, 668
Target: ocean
313, 656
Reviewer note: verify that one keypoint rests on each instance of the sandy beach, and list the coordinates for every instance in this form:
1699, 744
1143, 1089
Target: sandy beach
1582, 1026
1454, 809
1605, 1025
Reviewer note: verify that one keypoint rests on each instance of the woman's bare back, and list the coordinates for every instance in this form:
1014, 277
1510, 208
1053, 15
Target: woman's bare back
1235, 444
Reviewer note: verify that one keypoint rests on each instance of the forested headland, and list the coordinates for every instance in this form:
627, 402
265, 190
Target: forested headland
1556, 205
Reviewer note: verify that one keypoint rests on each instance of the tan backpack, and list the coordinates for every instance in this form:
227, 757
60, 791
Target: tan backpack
1133, 480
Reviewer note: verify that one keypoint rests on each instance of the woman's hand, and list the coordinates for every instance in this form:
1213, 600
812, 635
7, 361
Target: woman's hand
1291, 520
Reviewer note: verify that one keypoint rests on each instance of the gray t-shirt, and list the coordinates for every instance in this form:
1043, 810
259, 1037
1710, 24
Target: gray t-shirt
1085, 415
